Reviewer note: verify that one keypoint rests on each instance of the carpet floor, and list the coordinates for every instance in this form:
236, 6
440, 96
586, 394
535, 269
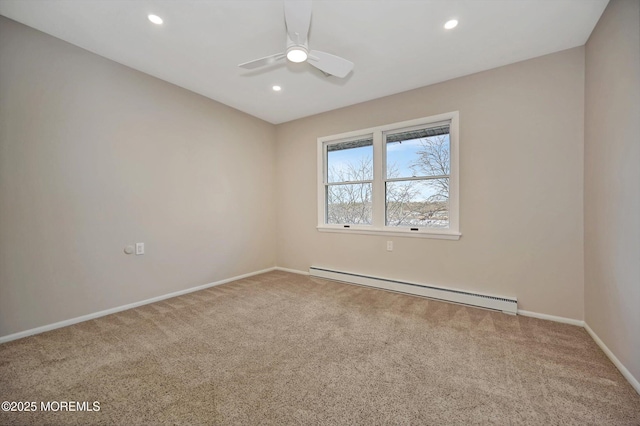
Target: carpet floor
281, 348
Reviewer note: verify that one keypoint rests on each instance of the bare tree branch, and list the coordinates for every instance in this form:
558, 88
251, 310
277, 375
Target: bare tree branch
405, 205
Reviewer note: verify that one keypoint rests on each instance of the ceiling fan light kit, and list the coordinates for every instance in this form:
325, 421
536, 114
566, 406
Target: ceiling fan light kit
297, 54
297, 15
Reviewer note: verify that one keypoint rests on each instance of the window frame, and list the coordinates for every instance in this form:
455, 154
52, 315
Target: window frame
354, 182
378, 225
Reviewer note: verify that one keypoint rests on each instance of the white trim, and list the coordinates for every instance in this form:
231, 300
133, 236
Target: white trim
623, 370
454, 172
320, 188
554, 318
395, 233
378, 189
3, 339
293, 271
626, 373
379, 157
117, 309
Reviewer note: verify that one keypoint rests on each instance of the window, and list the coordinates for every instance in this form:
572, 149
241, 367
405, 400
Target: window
399, 179
350, 182
417, 176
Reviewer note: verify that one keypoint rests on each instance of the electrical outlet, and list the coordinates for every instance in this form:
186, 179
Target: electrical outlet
389, 245
139, 248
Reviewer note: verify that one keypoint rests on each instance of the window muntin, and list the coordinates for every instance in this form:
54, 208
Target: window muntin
398, 200
418, 167
349, 182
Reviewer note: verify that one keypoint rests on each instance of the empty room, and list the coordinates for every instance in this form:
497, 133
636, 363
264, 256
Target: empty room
320, 212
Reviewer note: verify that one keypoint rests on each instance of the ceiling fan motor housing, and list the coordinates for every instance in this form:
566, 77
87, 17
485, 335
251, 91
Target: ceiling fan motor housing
296, 52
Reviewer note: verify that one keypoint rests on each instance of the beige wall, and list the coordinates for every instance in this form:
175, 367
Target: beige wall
612, 181
521, 160
95, 156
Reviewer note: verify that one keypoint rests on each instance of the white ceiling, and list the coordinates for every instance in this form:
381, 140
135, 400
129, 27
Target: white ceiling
395, 45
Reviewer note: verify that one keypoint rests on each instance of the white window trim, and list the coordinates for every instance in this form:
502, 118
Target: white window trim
378, 226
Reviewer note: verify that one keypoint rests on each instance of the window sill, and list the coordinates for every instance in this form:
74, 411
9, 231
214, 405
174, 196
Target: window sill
440, 235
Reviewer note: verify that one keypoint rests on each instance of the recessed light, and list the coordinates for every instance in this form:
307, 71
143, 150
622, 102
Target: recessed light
451, 24
276, 88
155, 19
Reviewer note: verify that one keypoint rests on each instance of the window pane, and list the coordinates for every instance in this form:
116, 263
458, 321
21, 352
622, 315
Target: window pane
350, 161
410, 155
349, 204
418, 203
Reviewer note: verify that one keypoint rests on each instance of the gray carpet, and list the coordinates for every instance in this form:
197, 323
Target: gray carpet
280, 348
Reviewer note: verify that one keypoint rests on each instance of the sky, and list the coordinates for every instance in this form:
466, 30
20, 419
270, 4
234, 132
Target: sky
400, 154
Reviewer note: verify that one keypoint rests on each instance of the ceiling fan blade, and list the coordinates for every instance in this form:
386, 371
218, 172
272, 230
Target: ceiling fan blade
330, 64
268, 60
297, 15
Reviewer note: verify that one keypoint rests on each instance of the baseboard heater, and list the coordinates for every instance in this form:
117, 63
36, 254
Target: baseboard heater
505, 304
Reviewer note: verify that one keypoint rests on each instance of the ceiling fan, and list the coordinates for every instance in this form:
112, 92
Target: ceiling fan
297, 16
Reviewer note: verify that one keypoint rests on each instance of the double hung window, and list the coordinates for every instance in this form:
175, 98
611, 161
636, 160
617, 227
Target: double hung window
349, 188
397, 179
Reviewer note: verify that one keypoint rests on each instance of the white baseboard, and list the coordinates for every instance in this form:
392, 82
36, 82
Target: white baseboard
623, 370
554, 318
99, 314
293, 271
626, 373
